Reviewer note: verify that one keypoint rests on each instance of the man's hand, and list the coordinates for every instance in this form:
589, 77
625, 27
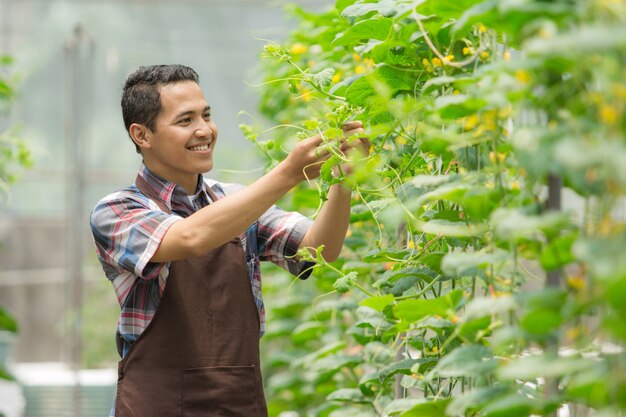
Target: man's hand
305, 161
361, 146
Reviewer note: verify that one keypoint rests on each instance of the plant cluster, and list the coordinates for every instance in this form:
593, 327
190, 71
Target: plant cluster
467, 286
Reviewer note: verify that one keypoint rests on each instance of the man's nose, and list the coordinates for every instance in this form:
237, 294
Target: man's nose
203, 130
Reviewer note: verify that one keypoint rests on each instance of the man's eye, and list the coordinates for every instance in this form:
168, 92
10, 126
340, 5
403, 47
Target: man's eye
185, 120
207, 116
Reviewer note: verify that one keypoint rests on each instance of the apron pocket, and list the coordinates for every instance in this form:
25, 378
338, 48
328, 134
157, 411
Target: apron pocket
227, 391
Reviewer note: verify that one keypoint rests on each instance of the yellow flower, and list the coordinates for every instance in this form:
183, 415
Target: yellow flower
522, 76
435, 349
482, 28
298, 49
337, 77
449, 58
359, 69
400, 140
506, 56
436, 62
515, 185
410, 244
492, 157
471, 122
608, 114
468, 50
576, 282
484, 54
356, 57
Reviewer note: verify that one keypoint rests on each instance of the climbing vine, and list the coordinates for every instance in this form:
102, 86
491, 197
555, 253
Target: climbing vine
483, 273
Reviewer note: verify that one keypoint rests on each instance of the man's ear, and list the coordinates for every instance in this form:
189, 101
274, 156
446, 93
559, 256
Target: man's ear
140, 134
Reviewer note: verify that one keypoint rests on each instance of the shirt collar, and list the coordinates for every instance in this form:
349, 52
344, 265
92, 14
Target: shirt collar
171, 194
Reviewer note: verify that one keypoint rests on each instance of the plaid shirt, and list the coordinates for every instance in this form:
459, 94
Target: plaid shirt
128, 227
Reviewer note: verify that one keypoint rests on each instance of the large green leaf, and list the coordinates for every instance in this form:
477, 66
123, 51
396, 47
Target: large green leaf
379, 86
411, 311
543, 366
512, 224
487, 306
363, 31
512, 405
378, 303
428, 409
452, 229
350, 395
386, 8
460, 264
468, 361
307, 331
473, 399
460, 105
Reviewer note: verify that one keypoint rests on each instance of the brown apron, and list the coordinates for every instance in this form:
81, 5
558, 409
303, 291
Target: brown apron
199, 356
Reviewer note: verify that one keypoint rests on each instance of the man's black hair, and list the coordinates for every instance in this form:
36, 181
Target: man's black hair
141, 100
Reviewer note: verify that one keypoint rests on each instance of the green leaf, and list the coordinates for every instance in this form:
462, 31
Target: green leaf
323, 78
381, 85
333, 364
541, 321
345, 283
401, 405
386, 8
310, 330
483, 307
544, 366
378, 303
5, 375
453, 229
363, 31
402, 367
460, 105
411, 311
460, 264
512, 405
468, 361
351, 395
342, 4
513, 224
558, 252
474, 330
7, 322
428, 409
473, 399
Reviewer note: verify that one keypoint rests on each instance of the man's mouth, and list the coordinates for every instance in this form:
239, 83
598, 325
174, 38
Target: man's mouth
196, 148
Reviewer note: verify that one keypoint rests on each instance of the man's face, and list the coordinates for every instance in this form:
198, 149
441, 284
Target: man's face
181, 146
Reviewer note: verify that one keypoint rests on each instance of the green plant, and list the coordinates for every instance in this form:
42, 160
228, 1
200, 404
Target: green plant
13, 157
466, 288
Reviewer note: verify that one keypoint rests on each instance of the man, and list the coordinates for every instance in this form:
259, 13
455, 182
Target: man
183, 254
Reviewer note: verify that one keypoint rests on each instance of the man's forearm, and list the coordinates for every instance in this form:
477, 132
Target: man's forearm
330, 226
224, 219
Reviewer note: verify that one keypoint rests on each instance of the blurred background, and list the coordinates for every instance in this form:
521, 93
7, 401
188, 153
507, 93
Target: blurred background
71, 58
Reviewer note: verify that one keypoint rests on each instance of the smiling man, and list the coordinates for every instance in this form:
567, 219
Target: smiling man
183, 254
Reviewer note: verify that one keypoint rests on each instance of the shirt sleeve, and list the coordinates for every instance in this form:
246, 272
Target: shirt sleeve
127, 233
279, 235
